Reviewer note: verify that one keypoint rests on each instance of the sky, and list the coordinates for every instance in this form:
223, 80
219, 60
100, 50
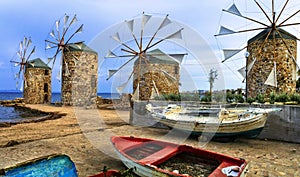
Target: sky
35, 19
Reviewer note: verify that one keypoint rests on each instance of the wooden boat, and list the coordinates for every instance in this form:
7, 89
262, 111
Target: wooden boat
213, 122
108, 173
158, 158
56, 165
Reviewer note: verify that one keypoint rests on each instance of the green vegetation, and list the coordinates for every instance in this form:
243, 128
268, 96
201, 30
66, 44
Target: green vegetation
233, 96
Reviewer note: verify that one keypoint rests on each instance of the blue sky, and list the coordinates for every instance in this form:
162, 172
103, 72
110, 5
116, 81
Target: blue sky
35, 19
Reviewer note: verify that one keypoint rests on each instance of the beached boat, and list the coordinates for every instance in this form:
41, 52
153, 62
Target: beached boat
108, 173
57, 165
214, 122
158, 158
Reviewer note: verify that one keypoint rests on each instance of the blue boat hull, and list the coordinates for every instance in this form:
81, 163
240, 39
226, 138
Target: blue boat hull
50, 166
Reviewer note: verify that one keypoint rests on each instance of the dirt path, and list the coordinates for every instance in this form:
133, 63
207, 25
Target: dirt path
84, 136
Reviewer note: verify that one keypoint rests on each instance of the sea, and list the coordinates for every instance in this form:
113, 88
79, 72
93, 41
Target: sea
11, 95
9, 114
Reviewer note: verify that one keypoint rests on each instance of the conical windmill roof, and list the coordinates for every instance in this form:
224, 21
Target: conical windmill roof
79, 47
262, 35
157, 56
37, 63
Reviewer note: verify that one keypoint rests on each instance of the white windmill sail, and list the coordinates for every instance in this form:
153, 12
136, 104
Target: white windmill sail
154, 91
228, 53
242, 71
272, 79
233, 9
136, 94
224, 31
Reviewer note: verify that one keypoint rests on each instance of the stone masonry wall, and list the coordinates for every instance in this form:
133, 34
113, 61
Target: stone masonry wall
164, 84
37, 89
80, 78
265, 57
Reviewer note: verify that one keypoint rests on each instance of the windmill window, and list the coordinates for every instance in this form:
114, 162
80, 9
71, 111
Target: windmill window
46, 72
45, 87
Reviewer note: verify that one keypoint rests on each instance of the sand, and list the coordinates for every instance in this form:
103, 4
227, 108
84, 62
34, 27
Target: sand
84, 136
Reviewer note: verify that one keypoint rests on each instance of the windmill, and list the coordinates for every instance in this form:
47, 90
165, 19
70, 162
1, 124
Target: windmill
24, 53
139, 42
271, 53
60, 37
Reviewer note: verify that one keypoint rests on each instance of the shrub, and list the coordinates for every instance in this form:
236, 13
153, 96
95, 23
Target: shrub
282, 97
260, 98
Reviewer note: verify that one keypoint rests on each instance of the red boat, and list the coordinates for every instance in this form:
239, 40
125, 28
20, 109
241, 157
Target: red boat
108, 173
158, 158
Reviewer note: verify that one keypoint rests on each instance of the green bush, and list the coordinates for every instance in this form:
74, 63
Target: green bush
282, 97
239, 98
260, 98
250, 100
295, 97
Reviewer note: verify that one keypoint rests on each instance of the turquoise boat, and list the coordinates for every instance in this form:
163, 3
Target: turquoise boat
57, 165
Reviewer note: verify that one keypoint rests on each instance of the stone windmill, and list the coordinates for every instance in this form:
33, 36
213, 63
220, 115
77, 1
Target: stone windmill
154, 72
271, 57
35, 75
79, 64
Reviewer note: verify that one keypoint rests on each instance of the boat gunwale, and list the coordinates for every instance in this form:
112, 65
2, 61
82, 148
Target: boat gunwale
181, 148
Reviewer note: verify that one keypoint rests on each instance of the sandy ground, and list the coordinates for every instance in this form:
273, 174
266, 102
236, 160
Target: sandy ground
84, 136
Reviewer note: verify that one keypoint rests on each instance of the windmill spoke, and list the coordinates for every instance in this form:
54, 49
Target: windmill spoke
116, 37
245, 17
263, 11
288, 18
241, 31
77, 31
130, 26
287, 47
129, 51
33, 50
168, 37
281, 11
122, 66
164, 23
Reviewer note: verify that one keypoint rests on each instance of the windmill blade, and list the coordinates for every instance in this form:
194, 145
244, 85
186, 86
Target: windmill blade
178, 57
77, 31
228, 53
74, 19
66, 18
233, 10
57, 28
175, 35
122, 67
263, 11
111, 72
32, 52
272, 78
130, 24
287, 47
225, 31
288, 18
29, 42
116, 37
145, 19
281, 11
110, 54
122, 86
242, 71
25, 42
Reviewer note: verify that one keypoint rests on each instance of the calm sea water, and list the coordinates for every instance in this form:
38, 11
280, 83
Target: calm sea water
10, 114
55, 96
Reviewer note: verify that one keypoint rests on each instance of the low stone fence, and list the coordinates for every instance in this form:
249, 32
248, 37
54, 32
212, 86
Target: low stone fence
282, 126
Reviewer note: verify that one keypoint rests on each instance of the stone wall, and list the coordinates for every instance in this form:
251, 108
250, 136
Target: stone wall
273, 50
79, 78
165, 83
37, 87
